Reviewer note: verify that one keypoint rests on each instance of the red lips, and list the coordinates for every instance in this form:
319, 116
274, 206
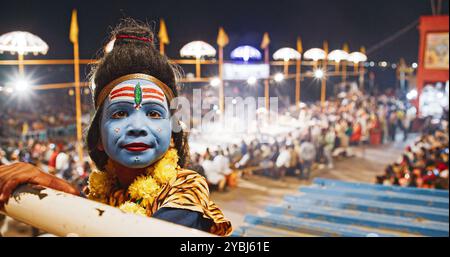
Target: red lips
136, 147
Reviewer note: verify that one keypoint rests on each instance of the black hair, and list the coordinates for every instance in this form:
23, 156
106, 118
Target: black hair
132, 54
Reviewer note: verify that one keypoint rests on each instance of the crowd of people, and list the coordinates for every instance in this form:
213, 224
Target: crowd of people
37, 116
325, 133
424, 163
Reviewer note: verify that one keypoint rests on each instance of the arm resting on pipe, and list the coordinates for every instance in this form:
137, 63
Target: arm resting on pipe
64, 214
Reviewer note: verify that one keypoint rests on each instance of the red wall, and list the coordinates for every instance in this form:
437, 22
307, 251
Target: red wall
429, 24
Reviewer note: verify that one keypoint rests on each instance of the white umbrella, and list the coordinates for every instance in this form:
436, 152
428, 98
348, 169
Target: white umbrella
338, 55
246, 53
357, 57
22, 43
315, 54
286, 54
197, 49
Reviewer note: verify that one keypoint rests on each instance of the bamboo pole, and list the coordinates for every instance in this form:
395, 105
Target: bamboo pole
361, 78
297, 83
344, 72
21, 65
323, 94
286, 67
222, 86
197, 67
63, 214
76, 64
323, 90
266, 81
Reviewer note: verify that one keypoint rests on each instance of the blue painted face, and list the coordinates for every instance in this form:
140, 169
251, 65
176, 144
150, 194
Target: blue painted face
136, 133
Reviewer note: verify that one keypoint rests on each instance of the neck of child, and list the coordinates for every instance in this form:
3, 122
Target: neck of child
127, 175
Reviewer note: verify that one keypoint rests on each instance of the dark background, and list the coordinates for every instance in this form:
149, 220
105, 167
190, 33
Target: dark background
359, 23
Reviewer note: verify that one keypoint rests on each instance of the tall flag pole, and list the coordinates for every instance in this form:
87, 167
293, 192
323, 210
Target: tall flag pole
344, 65
362, 71
222, 41
76, 62
163, 36
323, 91
265, 45
297, 73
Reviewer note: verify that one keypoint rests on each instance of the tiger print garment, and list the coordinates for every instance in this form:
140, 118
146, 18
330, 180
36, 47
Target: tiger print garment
189, 191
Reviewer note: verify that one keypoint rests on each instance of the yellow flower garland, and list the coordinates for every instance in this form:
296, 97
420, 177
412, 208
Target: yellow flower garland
144, 188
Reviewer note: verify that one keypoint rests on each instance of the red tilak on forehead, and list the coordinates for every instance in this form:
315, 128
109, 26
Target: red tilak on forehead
144, 96
144, 90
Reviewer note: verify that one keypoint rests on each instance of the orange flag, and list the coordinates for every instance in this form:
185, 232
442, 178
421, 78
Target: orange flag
325, 46
363, 50
346, 48
74, 27
299, 45
222, 38
162, 34
265, 41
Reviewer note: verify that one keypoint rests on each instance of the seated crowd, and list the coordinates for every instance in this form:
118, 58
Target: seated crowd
424, 164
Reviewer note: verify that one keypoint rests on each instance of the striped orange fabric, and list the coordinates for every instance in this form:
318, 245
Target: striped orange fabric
189, 191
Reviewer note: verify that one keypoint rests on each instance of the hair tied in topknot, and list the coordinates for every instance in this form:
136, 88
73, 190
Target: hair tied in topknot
134, 37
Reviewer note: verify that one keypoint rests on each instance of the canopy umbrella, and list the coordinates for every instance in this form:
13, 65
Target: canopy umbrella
246, 53
22, 43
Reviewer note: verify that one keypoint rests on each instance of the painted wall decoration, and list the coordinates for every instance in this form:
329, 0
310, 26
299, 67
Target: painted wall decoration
436, 51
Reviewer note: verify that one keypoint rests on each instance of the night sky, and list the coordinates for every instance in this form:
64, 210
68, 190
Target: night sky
360, 23
354, 21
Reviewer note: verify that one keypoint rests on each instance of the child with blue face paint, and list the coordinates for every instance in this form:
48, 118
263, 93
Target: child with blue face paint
139, 157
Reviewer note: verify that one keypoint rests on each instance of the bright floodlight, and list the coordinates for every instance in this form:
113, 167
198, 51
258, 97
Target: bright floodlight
414, 65
338, 55
286, 54
246, 53
22, 42
197, 49
315, 54
215, 82
21, 85
279, 77
318, 74
251, 81
357, 57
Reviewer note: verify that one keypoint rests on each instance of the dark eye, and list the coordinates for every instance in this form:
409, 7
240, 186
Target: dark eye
154, 115
119, 115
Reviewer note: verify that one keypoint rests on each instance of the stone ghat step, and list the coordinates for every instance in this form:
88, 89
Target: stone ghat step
371, 206
318, 227
399, 189
351, 217
403, 198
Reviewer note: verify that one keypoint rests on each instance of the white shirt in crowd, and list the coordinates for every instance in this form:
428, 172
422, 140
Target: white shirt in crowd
283, 159
62, 162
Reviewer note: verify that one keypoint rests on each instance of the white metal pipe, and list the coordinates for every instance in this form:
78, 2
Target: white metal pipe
63, 214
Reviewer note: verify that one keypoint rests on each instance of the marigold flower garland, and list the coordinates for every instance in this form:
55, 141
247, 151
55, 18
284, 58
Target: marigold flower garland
144, 188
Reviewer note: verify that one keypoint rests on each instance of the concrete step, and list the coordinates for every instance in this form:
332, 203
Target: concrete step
399, 189
350, 217
394, 197
313, 227
371, 206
